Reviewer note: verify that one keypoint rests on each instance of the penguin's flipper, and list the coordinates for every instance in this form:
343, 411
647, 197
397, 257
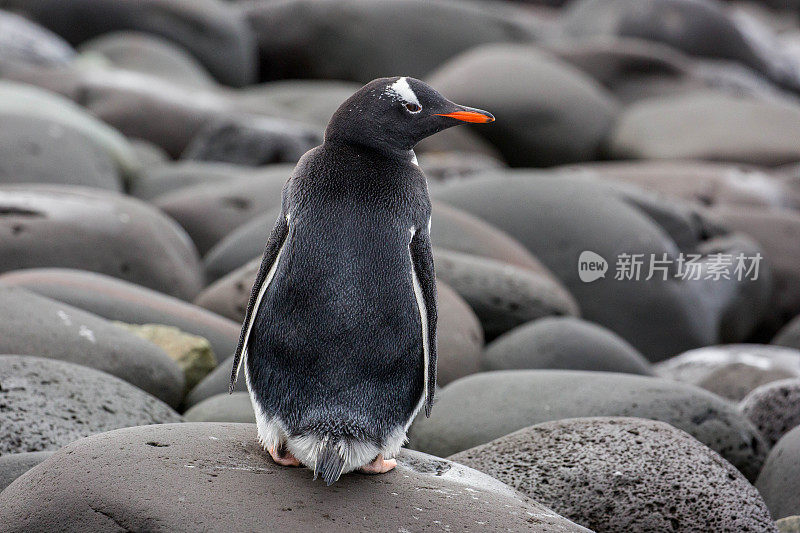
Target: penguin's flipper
425, 290
269, 263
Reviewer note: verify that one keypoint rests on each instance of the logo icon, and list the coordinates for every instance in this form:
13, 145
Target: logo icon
591, 266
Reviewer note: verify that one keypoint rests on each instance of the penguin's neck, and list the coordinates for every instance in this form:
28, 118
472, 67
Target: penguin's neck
378, 149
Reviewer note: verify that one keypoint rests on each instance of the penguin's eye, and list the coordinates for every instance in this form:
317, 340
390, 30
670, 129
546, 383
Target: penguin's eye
414, 108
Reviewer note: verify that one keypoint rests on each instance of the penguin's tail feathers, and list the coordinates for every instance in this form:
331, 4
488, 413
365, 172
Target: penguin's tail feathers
330, 460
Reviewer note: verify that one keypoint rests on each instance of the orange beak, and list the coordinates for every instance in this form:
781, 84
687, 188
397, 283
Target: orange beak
469, 116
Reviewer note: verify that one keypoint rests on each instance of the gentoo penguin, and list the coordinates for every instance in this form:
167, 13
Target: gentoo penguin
339, 339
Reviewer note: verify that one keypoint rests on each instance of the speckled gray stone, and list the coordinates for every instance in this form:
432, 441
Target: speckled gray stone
624, 474
503, 296
34, 325
88, 229
732, 370
779, 480
488, 405
14, 465
774, 408
223, 407
45, 404
564, 343
159, 478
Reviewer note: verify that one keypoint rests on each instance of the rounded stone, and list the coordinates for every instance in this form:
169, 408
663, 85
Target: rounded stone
135, 475
23, 99
445, 167
558, 218
214, 384
223, 407
564, 343
790, 524
774, 408
488, 405
709, 126
503, 296
88, 229
38, 150
115, 299
312, 39
165, 178
521, 84
14, 465
624, 474
254, 141
47, 404
789, 335
210, 212
148, 54
210, 30
459, 334
732, 370
779, 480
26, 43
37, 326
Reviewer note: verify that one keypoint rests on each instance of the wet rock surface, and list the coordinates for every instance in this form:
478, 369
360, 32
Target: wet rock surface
191, 459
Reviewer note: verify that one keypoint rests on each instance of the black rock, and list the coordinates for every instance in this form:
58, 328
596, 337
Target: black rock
485, 406
48, 403
548, 112
624, 474
564, 344
210, 30
88, 229
37, 326
779, 480
114, 299
774, 408
133, 475
318, 39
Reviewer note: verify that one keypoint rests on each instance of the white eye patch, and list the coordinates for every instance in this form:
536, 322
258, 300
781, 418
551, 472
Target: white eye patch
402, 91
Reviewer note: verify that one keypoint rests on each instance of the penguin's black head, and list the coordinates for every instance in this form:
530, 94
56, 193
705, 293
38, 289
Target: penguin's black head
396, 113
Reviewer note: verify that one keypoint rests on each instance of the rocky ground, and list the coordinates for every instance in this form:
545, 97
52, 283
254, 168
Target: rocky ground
618, 261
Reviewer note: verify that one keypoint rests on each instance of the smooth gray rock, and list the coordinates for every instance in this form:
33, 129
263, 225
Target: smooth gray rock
129, 478
732, 370
23, 41
779, 480
88, 229
37, 326
48, 403
210, 212
789, 335
14, 465
317, 39
223, 407
39, 150
168, 177
148, 54
564, 343
488, 405
774, 408
624, 474
445, 167
115, 299
790, 524
214, 384
557, 218
210, 30
710, 126
255, 141
548, 112
503, 296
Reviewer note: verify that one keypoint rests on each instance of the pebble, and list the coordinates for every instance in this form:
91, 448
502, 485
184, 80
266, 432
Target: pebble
564, 343
482, 407
134, 474
23, 41
37, 326
14, 465
774, 408
624, 474
779, 480
49, 403
223, 407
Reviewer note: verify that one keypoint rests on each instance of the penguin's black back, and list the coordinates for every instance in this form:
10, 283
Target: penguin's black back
336, 345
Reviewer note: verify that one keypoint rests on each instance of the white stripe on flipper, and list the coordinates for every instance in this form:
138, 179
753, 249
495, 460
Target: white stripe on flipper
423, 318
401, 90
262, 290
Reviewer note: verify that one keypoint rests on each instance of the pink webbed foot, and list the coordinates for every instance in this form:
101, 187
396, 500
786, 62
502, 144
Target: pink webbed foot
282, 456
378, 466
